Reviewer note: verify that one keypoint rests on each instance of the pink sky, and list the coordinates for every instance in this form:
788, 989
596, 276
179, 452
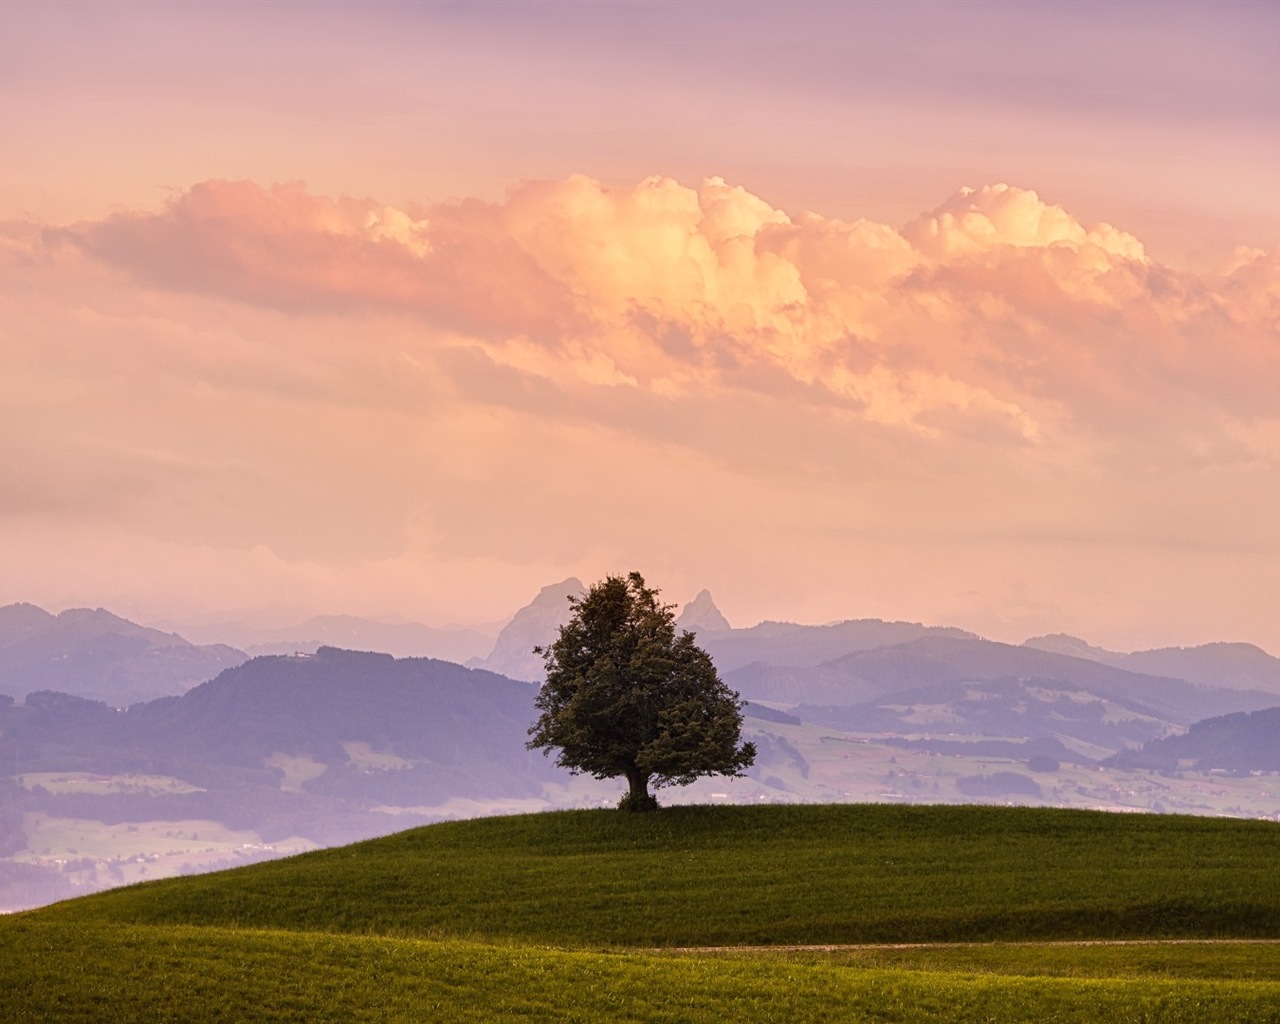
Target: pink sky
959, 313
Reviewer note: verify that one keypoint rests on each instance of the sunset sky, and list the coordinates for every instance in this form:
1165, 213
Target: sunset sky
962, 313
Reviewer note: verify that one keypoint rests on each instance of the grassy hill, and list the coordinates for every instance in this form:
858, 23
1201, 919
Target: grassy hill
700, 876
563, 917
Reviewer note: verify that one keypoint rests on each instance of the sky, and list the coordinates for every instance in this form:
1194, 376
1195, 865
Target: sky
959, 313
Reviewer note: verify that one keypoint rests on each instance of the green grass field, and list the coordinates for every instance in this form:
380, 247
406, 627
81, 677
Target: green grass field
579, 916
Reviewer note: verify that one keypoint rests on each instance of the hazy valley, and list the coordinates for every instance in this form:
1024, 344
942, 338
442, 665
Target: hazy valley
131, 753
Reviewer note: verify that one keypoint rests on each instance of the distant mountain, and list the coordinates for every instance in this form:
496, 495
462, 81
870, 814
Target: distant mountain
769, 643
416, 709
535, 625
701, 615
399, 639
100, 656
789, 644
1239, 743
1235, 666
1005, 708
1073, 646
932, 661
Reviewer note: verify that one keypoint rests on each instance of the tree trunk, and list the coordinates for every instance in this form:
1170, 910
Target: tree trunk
638, 783
638, 798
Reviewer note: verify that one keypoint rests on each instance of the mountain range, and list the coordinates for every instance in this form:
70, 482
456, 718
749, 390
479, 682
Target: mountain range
351, 632
95, 654
892, 677
938, 660
1236, 666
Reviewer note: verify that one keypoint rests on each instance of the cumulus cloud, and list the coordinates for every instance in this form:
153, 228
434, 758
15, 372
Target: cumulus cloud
1000, 216
1251, 290
996, 313
996, 321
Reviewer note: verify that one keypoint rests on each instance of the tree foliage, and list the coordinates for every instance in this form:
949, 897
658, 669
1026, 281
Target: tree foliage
625, 696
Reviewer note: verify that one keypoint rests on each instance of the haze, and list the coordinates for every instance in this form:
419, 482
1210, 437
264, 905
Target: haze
956, 313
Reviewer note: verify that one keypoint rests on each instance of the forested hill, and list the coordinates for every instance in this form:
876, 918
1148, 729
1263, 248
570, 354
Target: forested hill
1237, 743
304, 738
411, 708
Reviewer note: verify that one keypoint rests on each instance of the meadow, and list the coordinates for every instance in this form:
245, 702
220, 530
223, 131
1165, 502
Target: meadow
955, 913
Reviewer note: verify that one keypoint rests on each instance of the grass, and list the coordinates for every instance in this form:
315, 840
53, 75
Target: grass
552, 917
163, 974
698, 876
1212, 960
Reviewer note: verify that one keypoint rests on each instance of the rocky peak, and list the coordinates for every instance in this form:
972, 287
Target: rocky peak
535, 625
701, 615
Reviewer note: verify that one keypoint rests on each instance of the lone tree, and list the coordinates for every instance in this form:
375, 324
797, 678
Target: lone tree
625, 696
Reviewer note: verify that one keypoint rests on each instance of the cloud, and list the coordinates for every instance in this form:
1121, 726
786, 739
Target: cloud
349, 397
284, 248
995, 315
999, 216
1251, 290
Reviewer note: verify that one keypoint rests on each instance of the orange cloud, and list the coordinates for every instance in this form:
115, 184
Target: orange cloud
995, 309
999, 216
286, 248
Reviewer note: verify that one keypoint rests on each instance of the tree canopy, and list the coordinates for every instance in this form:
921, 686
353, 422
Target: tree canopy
625, 696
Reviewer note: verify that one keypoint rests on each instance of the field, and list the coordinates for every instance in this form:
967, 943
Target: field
956, 913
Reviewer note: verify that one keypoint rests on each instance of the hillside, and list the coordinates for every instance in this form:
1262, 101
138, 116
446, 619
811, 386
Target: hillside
1009, 708
790, 644
1235, 666
553, 917
100, 656
382, 723
696, 876
867, 676
1239, 743
284, 753
305, 746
